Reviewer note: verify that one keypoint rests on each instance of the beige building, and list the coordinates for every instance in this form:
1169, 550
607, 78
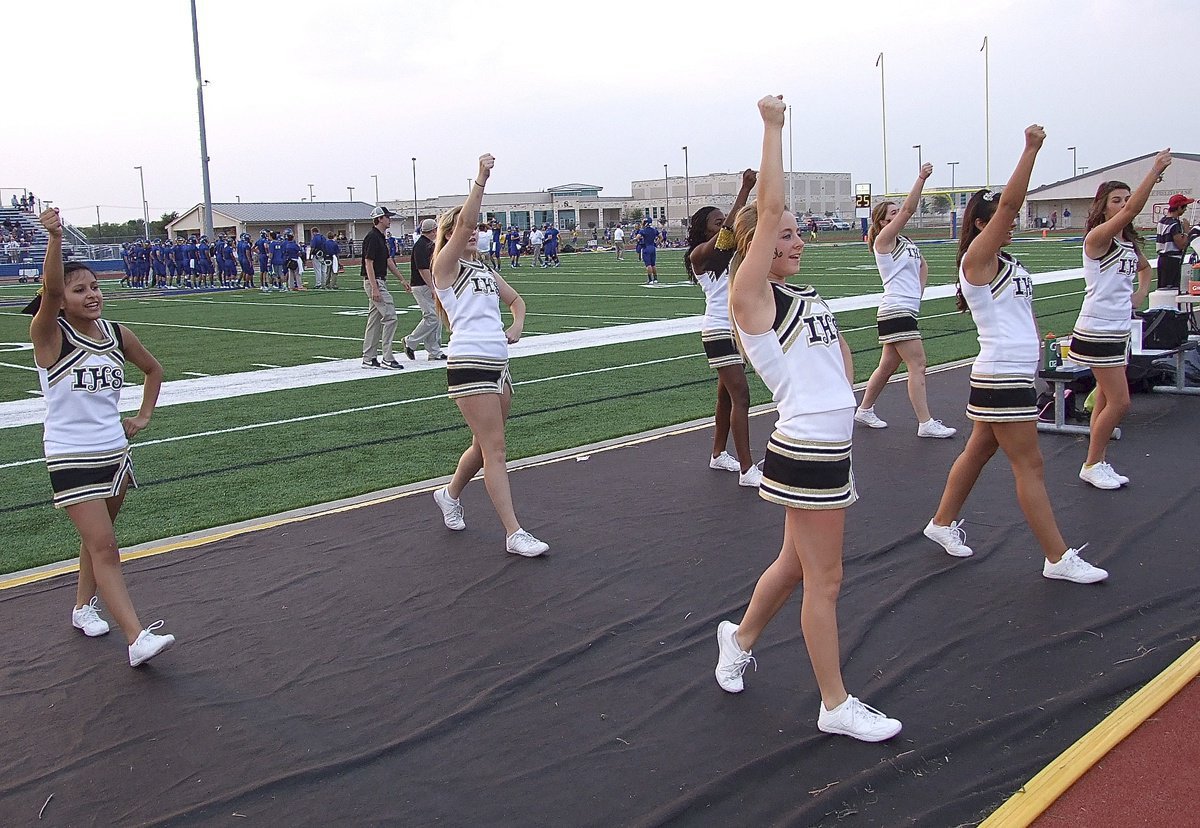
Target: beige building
350, 217
1074, 195
675, 198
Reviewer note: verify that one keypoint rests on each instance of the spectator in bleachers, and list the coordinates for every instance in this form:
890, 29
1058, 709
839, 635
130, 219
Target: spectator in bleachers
15, 204
32, 202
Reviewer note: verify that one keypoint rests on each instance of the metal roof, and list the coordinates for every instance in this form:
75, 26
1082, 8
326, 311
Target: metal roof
282, 212
1185, 156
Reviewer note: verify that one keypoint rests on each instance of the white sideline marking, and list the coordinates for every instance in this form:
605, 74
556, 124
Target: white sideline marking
223, 386
22, 367
265, 365
195, 374
35, 393
330, 359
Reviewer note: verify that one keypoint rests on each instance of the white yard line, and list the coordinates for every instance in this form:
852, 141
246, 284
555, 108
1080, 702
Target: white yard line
22, 367
223, 386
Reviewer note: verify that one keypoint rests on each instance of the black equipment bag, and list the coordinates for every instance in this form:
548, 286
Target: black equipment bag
1163, 329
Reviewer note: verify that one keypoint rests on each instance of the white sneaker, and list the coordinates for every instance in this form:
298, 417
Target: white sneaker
725, 462
1120, 478
524, 544
148, 645
87, 618
452, 510
934, 428
952, 538
867, 417
1098, 475
858, 720
731, 658
1074, 568
751, 477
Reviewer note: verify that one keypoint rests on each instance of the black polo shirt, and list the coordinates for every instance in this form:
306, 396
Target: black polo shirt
375, 248
421, 259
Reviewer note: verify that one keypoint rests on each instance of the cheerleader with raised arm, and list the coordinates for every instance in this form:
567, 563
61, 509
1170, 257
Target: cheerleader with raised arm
80, 363
710, 250
998, 291
905, 275
792, 340
1112, 259
469, 294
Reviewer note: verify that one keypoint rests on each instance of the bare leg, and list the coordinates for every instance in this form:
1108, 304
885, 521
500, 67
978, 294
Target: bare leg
1019, 441
485, 414
1112, 403
86, 589
468, 466
775, 586
981, 445
721, 422
913, 354
92, 520
734, 379
889, 361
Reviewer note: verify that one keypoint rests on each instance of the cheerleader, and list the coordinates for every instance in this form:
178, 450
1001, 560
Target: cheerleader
1100, 340
998, 291
792, 340
710, 249
80, 362
469, 295
905, 275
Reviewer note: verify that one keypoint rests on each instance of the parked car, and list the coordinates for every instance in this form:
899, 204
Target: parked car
841, 224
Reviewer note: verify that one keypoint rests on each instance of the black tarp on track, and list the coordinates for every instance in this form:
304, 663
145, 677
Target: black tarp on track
370, 667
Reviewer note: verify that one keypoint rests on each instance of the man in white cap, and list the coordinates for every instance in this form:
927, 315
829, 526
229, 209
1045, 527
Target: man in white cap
381, 318
428, 333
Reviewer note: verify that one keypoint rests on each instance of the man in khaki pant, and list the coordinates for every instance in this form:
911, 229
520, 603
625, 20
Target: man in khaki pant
381, 318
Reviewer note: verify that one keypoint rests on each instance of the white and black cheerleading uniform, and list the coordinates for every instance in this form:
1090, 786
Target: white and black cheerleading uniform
1101, 334
478, 350
1002, 377
87, 452
716, 331
901, 274
807, 464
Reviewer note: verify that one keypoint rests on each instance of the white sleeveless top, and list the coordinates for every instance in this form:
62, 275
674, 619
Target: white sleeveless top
82, 391
716, 301
472, 306
800, 358
901, 273
1003, 314
1107, 302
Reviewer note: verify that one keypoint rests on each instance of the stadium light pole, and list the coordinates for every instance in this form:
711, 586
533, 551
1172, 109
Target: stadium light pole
687, 186
206, 215
310, 193
883, 106
920, 163
351, 189
145, 206
376, 177
1074, 162
415, 220
1082, 170
953, 201
987, 117
666, 199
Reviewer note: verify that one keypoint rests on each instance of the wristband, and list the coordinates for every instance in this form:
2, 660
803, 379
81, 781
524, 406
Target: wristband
477, 184
725, 239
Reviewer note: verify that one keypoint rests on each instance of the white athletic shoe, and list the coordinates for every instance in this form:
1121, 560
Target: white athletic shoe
732, 660
867, 417
1122, 479
751, 478
148, 645
858, 720
725, 462
952, 538
524, 544
452, 510
1099, 475
1073, 568
934, 428
87, 618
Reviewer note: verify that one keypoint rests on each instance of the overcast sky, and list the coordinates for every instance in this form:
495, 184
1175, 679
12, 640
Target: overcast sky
603, 93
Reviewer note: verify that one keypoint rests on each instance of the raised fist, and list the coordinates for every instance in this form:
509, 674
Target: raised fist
52, 222
772, 108
1035, 134
749, 179
926, 171
486, 162
1162, 161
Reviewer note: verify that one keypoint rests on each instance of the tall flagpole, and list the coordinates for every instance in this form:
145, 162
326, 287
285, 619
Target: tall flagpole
883, 105
987, 118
